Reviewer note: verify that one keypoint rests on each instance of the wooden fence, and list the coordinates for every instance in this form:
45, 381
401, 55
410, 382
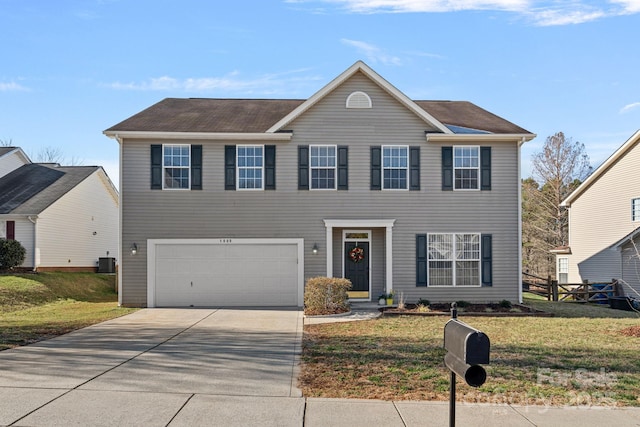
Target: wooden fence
580, 292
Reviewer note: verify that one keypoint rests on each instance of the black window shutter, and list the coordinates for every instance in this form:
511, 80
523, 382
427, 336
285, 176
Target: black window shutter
376, 168
156, 167
196, 167
447, 168
343, 167
303, 167
485, 168
487, 262
229, 167
11, 230
414, 168
421, 260
269, 167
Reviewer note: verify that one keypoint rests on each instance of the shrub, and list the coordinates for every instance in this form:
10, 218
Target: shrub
505, 303
425, 302
324, 295
12, 254
463, 304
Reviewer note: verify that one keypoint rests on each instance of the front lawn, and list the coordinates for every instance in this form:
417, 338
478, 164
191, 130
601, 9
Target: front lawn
34, 307
583, 356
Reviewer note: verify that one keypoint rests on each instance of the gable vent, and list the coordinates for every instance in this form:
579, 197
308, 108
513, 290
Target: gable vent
358, 100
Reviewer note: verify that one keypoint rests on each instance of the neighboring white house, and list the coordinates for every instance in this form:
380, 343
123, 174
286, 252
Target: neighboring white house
604, 218
66, 217
11, 158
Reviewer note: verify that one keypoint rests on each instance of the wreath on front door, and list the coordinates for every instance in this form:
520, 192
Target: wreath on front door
356, 254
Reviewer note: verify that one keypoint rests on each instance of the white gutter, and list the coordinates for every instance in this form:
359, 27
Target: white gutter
521, 138
226, 136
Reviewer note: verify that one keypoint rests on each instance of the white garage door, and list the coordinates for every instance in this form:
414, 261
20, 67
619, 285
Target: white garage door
238, 272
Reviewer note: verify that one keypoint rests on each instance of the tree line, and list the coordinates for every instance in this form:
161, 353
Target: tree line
558, 169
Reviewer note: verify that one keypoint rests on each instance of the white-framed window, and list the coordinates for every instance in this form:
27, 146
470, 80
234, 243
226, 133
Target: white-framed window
635, 209
176, 167
250, 161
395, 167
466, 168
322, 161
454, 259
563, 270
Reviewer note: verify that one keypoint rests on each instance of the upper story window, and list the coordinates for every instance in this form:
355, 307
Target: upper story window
358, 100
466, 166
395, 165
176, 166
250, 167
635, 209
322, 160
454, 259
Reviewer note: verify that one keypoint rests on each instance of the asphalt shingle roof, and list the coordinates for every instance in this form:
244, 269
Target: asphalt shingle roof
258, 115
32, 188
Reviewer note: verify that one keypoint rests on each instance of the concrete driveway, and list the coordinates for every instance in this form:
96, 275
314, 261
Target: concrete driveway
160, 367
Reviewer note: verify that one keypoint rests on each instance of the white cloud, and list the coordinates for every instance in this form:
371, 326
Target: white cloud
373, 53
629, 107
538, 12
12, 86
286, 82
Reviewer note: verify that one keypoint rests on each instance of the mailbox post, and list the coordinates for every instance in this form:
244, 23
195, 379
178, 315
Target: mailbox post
467, 348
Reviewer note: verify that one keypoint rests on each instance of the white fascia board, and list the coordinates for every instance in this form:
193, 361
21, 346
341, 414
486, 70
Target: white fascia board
20, 153
521, 138
359, 223
601, 169
225, 136
366, 70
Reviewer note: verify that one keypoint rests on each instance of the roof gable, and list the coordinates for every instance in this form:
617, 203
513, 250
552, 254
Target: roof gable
32, 188
602, 169
359, 66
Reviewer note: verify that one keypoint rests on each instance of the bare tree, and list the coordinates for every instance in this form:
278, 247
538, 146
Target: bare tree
558, 169
6, 143
50, 154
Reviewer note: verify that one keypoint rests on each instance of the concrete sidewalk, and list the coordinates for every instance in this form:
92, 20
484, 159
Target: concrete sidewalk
195, 367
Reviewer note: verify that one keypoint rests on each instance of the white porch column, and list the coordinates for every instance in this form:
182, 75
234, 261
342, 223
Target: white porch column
389, 258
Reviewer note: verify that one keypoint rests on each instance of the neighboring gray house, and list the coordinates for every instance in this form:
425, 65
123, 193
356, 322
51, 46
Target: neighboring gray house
604, 217
236, 202
66, 217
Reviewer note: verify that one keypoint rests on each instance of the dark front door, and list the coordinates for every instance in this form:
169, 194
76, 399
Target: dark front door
356, 268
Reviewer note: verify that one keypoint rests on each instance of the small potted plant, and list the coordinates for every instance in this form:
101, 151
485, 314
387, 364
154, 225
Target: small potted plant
382, 299
390, 298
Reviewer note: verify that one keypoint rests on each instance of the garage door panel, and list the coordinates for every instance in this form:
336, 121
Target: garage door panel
192, 274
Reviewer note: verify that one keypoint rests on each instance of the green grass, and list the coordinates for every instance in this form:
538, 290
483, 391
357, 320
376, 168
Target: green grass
578, 357
39, 306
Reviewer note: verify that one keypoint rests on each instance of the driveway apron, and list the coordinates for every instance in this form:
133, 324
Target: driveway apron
158, 367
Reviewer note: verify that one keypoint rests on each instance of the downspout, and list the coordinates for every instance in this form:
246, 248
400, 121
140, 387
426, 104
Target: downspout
520, 222
34, 221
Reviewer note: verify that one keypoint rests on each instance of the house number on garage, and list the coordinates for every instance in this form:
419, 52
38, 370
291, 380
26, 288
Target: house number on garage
225, 240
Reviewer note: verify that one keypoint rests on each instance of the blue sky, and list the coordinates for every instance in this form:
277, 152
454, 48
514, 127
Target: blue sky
72, 68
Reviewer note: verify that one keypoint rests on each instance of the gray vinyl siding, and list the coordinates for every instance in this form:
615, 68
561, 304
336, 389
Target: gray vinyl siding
291, 213
600, 217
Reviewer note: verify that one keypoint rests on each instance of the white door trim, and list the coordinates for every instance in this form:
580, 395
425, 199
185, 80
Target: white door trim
387, 224
153, 243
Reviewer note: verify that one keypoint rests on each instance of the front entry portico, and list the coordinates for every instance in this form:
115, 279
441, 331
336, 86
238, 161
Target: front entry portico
357, 234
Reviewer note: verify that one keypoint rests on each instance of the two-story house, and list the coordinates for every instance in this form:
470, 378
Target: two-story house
604, 223
236, 202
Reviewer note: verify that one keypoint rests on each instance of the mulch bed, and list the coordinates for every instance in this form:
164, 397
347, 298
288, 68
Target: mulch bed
631, 331
490, 310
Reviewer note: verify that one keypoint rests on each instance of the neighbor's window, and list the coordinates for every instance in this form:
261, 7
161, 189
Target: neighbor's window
176, 166
395, 165
323, 166
635, 209
454, 259
466, 166
563, 270
250, 167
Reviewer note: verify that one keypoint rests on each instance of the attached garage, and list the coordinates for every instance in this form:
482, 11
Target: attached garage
225, 273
